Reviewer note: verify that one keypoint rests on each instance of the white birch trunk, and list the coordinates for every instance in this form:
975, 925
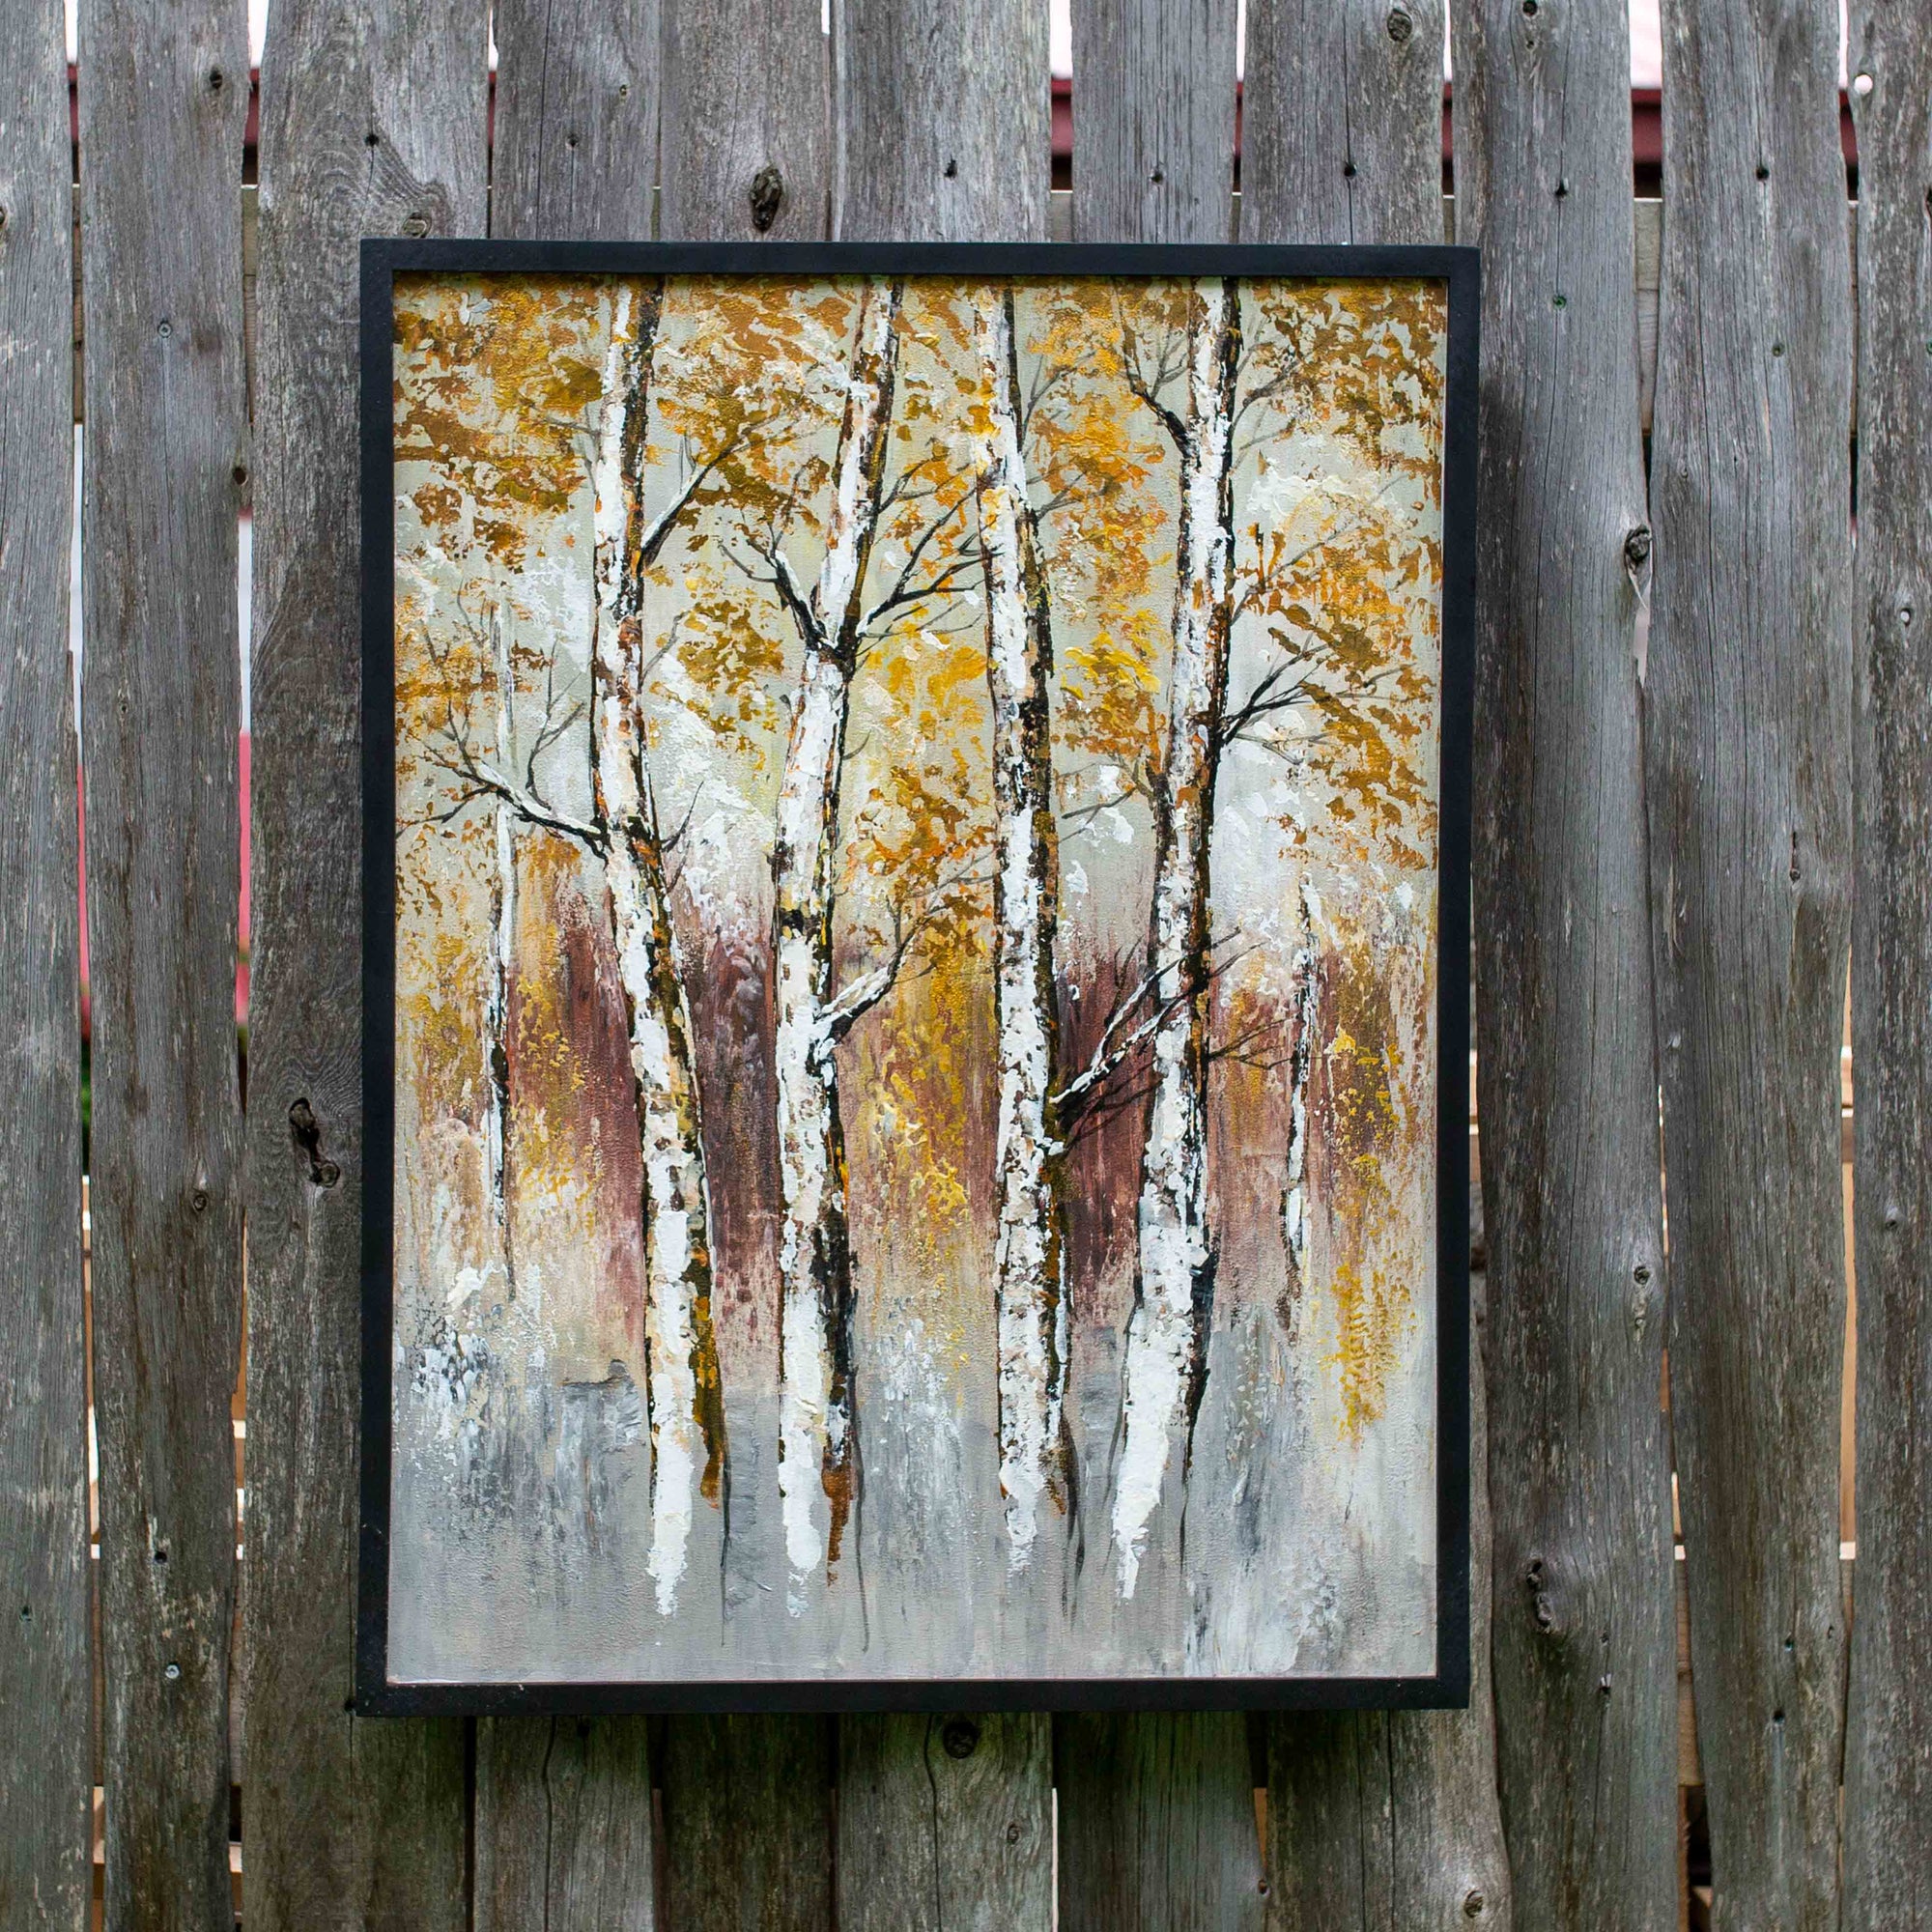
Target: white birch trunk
1030, 1258
682, 1389
1167, 1340
816, 1441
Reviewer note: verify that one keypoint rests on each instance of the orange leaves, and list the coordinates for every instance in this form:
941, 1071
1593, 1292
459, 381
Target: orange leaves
1359, 360
1110, 693
733, 655
1345, 384
920, 835
496, 378
746, 378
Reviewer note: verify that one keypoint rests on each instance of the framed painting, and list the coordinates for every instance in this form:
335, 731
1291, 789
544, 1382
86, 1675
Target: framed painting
916, 976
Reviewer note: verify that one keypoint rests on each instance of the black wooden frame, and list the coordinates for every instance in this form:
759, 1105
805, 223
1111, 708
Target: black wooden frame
376, 1693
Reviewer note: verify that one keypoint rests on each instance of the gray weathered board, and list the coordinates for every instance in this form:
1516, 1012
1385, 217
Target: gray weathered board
944, 1821
1377, 1821
746, 154
1748, 728
1342, 129
44, 1687
747, 147
1887, 1798
562, 1807
162, 95
563, 1826
1156, 1820
734, 167
944, 136
372, 122
1583, 1641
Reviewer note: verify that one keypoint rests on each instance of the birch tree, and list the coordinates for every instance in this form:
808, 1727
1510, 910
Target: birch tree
1029, 1257
895, 549
1165, 1351
1340, 702
683, 1388
686, 1397
817, 1442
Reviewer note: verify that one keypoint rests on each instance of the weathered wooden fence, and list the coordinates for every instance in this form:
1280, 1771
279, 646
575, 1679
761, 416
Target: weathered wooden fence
1699, 746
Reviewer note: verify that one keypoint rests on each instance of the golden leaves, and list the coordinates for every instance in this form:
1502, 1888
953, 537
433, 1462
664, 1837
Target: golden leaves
731, 652
496, 380
1344, 579
922, 829
1360, 1147
1111, 698
1369, 1317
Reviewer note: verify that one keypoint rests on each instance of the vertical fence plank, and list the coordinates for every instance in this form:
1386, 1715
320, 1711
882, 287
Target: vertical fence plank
1156, 1812
562, 1810
1374, 1819
44, 1704
372, 123
1583, 1638
944, 1821
748, 1825
575, 143
1157, 1822
1748, 730
1154, 145
746, 137
1889, 1720
563, 1825
940, 116
1342, 135
746, 156
163, 89
941, 123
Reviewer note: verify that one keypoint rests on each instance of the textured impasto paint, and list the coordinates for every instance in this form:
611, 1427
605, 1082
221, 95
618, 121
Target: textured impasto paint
915, 986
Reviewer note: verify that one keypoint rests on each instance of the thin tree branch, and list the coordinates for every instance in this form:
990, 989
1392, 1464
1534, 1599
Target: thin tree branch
854, 1001
1118, 1041
485, 780
904, 592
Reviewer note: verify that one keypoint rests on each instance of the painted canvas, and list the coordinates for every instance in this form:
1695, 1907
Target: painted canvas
917, 820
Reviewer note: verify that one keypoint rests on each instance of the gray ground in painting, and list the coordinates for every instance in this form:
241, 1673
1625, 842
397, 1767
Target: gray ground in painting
533, 1570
